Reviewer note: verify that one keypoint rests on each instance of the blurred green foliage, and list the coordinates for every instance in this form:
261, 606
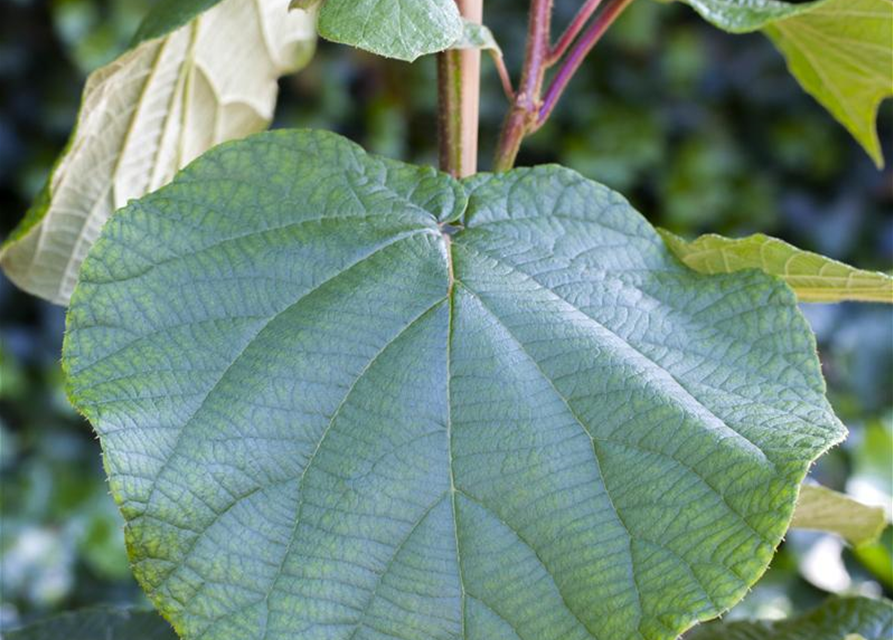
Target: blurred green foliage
701, 130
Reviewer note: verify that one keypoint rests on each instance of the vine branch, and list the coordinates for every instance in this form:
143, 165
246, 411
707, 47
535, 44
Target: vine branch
523, 113
504, 76
578, 54
529, 110
573, 30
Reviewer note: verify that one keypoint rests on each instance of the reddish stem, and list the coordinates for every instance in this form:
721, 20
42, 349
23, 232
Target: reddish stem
524, 111
504, 77
589, 39
573, 30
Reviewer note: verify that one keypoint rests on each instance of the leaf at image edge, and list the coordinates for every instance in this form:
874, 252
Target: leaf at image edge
168, 15
99, 623
841, 53
744, 16
813, 277
836, 619
822, 509
402, 29
148, 114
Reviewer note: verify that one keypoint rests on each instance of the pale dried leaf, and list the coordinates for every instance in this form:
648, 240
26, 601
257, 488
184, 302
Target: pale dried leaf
144, 117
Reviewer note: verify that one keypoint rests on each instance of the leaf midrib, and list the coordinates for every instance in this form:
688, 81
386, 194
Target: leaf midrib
298, 516
597, 459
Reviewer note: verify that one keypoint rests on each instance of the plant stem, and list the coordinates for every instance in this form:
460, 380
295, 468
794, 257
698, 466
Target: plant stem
529, 112
572, 31
504, 76
570, 66
523, 113
459, 86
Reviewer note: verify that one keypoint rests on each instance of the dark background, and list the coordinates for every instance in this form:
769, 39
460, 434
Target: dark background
703, 131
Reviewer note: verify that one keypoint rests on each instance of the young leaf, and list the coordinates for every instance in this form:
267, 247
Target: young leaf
822, 509
344, 394
840, 51
145, 116
838, 618
813, 277
842, 54
100, 623
403, 29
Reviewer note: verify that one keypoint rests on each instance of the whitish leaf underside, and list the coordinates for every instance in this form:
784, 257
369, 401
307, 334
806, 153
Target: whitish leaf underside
145, 116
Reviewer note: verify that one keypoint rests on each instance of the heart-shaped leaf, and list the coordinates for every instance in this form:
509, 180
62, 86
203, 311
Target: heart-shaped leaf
148, 114
839, 618
343, 397
101, 623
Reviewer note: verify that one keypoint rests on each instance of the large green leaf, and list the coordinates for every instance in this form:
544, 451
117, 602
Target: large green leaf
148, 114
840, 51
822, 509
837, 619
404, 29
101, 623
813, 277
343, 397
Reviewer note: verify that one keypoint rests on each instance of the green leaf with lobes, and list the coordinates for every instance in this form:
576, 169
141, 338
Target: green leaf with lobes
813, 277
148, 114
836, 619
840, 51
822, 509
344, 397
100, 623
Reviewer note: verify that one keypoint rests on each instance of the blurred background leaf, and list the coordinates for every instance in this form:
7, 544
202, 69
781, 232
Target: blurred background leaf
99, 623
855, 618
703, 131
